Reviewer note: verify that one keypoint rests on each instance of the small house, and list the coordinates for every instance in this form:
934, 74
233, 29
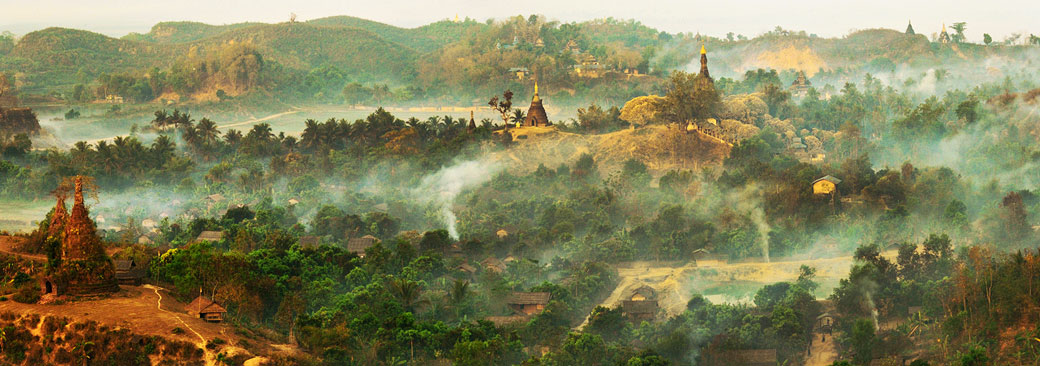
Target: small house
210, 236
359, 245
493, 264
204, 308
825, 185
643, 293
520, 73
466, 268
639, 310
528, 303
825, 322
128, 272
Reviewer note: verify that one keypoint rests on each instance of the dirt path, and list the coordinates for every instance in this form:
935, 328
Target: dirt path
258, 120
824, 352
8, 245
141, 309
158, 305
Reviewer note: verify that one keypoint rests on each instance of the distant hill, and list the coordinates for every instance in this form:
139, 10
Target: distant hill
362, 54
424, 39
180, 32
445, 57
54, 56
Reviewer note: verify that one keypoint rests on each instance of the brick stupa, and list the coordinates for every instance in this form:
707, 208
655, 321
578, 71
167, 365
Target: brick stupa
84, 268
57, 225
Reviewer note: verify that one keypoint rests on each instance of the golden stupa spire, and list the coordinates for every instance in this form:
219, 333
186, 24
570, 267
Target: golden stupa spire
703, 50
944, 26
536, 91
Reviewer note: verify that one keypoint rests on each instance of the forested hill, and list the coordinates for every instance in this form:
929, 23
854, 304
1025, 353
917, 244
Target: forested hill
462, 59
179, 32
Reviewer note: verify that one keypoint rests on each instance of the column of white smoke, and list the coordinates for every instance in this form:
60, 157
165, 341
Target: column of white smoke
442, 187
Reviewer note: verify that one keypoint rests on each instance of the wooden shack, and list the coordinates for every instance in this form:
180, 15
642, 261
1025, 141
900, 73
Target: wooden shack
206, 309
359, 245
210, 236
129, 273
639, 310
528, 303
825, 185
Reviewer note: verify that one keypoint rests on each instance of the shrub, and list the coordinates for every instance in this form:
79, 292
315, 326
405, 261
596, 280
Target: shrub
28, 294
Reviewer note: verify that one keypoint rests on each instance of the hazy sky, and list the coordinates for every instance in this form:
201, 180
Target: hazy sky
828, 18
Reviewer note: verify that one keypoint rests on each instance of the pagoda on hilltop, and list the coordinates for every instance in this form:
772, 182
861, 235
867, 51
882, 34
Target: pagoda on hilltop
944, 37
83, 268
704, 64
909, 28
536, 116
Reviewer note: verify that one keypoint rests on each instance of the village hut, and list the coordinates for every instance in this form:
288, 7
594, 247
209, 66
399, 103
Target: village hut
359, 245
825, 185
493, 264
205, 308
639, 310
528, 303
128, 272
210, 236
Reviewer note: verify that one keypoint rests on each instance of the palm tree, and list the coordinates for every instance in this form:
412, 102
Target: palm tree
407, 292
518, 116
207, 131
161, 120
459, 294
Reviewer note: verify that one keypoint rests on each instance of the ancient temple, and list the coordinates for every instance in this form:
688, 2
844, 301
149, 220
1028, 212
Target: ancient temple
84, 269
57, 225
909, 28
81, 240
944, 37
472, 122
704, 63
536, 113
800, 86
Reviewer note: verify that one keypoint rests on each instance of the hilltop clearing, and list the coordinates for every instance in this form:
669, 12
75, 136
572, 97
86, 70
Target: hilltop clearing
660, 147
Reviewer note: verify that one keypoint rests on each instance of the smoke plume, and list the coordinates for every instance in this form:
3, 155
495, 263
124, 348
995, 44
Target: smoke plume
441, 188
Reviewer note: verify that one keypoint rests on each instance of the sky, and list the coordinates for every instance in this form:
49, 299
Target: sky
826, 18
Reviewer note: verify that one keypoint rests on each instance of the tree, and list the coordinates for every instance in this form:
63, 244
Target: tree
289, 311
691, 97
959, 28
987, 39
503, 106
862, 340
641, 111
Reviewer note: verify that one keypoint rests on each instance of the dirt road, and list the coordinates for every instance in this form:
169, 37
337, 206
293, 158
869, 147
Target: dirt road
824, 352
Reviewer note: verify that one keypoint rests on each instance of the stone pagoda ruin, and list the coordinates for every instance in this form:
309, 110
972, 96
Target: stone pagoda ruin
83, 268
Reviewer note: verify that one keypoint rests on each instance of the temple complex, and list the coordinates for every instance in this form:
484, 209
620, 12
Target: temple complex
536, 116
